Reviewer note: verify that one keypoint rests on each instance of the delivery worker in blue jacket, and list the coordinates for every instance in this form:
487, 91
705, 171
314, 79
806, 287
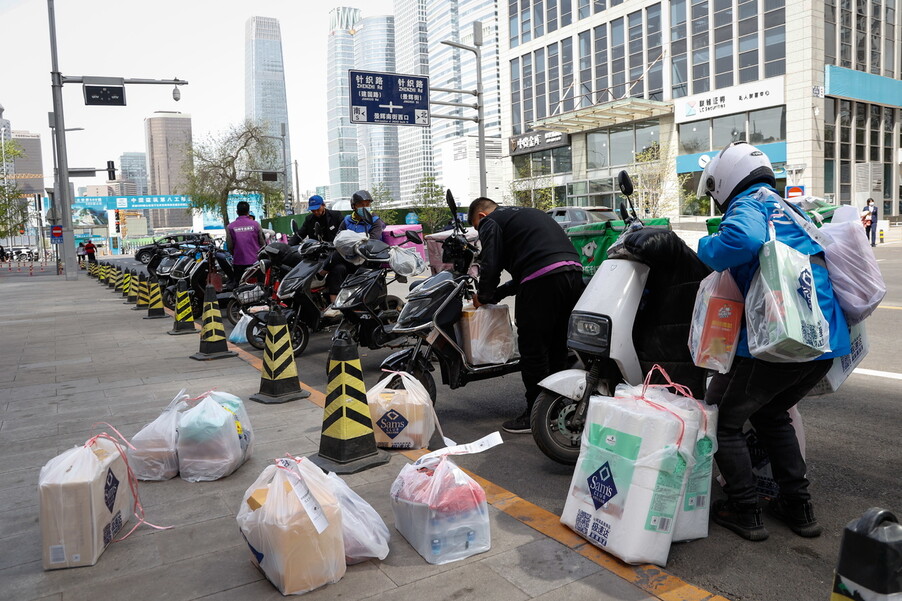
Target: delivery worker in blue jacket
741, 181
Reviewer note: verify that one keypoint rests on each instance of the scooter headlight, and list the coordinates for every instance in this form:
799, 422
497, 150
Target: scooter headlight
344, 297
590, 333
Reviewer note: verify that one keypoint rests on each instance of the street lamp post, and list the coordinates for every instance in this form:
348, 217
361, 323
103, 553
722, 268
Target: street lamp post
285, 171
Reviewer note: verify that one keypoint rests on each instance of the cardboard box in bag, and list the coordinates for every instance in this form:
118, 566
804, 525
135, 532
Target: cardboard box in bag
85, 500
486, 335
399, 422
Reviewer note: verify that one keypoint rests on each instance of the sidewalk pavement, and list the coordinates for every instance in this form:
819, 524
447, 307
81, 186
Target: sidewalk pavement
74, 354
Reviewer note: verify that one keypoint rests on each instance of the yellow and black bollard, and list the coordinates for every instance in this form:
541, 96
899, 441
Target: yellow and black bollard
114, 277
213, 343
184, 316
870, 559
142, 293
126, 284
881, 237
347, 444
155, 301
279, 379
132, 288
101, 277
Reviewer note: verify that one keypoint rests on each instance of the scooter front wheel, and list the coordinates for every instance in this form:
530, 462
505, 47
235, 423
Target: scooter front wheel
256, 331
548, 422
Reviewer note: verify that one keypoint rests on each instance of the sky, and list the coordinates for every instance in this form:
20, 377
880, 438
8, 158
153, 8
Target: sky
201, 41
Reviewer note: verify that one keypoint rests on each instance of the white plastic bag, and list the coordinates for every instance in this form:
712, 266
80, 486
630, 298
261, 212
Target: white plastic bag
346, 244
239, 332
292, 523
215, 438
783, 319
487, 336
854, 273
155, 453
842, 367
405, 418
365, 534
406, 261
439, 509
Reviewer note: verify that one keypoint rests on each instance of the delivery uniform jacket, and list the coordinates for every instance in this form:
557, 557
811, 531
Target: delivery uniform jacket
736, 244
329, 222
374, 231
523, 241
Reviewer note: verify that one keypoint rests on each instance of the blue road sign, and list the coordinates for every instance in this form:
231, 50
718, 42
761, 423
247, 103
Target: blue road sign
389, 98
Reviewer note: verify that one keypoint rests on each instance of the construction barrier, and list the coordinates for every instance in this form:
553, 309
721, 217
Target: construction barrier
155, 301
184, 316
142, 293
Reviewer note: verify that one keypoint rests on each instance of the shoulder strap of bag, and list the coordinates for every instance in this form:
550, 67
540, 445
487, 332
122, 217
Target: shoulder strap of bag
812, 230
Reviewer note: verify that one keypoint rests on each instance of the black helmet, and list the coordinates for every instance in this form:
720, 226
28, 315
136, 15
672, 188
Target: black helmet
360, 196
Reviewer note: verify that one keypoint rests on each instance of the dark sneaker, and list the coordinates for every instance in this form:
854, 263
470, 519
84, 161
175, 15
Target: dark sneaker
518, 425
742, 518
798, 515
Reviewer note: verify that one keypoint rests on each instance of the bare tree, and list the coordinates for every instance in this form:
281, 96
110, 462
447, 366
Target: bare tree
657, 191
231, 162
429, 204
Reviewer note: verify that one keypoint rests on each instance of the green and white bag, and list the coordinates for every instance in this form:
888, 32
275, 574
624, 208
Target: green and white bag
783, 319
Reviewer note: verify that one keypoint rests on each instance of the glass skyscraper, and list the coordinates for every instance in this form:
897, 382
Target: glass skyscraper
133, 168
374, 50
342, 136
265, 101
168, 137
412, 57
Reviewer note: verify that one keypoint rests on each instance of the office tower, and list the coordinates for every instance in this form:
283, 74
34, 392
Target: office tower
265, 101
168, 135
454, 142
415, 160
374, 50
113, 188
133, 168
7, 166
342, 136
29, 167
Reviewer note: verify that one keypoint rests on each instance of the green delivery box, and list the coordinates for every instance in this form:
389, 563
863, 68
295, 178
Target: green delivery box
592, 240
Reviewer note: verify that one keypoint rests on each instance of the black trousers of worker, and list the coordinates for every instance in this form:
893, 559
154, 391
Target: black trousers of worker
542, 312
763, 393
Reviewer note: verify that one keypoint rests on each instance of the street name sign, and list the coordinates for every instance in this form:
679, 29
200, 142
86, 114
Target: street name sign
388, 98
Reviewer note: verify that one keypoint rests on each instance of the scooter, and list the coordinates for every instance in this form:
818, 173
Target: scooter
432, 309
634, 313
161, 263
205, 264
368, 312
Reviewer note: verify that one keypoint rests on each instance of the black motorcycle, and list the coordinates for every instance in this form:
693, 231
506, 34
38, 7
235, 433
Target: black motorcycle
203, 264
433, 308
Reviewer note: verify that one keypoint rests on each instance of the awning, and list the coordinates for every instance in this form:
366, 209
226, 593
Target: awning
625, 110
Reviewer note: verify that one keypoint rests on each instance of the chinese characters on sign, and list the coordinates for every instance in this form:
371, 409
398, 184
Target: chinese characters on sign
389, 98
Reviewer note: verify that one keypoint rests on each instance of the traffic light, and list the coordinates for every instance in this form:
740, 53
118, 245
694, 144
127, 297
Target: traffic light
118, 228
22, 228
111, 170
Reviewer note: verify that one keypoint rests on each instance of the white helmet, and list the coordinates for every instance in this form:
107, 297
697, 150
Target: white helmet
737, 167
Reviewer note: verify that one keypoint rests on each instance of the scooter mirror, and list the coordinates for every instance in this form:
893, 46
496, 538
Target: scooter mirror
625, 183
449, 198
317, 230
624, 214
413, 237
294, 227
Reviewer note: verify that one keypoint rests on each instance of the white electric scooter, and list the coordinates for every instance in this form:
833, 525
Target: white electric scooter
605, 323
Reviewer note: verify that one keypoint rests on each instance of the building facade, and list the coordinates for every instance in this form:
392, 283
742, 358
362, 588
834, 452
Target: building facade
265, 99
29, 167
133, 168
377, 145
342, 136
415, 160
592, 87
168, 136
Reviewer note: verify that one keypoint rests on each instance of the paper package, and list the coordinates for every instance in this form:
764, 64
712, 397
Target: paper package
486, 334
629, 479
85, 500
843, 366
295, 532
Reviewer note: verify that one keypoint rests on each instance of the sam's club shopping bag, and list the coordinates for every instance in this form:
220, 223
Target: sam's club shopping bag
783, 318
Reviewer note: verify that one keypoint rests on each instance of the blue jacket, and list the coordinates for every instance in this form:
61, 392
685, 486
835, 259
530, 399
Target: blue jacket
373, 231
735, 247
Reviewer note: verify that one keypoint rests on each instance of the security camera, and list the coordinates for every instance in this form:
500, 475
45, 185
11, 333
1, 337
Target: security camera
176, 95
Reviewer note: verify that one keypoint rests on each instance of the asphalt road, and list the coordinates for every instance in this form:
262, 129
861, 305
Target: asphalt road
853, 459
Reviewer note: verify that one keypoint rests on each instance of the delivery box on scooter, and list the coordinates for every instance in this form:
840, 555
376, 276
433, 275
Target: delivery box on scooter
486, 334
85, 501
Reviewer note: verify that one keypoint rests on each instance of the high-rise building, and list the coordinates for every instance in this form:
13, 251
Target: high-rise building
133, 168
113, 188
265, 100
415, 160
342, 136
168, 136
7, 164
455, 162
29, 166
374, 50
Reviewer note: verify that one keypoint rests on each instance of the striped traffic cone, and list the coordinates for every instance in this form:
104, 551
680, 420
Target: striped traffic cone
279, 379
347, 444
155, 301
213, 343
184, 316
126, 283
142, 294
116, 284
132, 288
106, 274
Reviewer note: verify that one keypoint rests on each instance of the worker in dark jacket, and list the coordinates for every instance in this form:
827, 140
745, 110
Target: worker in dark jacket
546, 276
328, 220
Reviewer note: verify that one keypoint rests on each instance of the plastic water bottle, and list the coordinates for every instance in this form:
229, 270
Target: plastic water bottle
471, 538
436, 546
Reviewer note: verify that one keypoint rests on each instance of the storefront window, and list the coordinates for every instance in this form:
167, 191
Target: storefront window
562, 160
597, 150
521, 166
695, 137
647, 135
622, 150
729, 129
767, 125
541, 162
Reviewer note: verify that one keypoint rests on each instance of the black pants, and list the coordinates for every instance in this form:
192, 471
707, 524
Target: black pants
542, 312
870, 231
338, 270
763, 393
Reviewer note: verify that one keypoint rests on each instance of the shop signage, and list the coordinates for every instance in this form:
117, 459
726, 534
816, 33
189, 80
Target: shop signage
536, 141
738, 99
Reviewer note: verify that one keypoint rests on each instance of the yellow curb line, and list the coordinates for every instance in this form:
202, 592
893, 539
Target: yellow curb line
889, 307
649, 578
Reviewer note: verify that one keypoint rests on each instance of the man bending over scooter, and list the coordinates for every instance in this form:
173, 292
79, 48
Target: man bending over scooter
546, 276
